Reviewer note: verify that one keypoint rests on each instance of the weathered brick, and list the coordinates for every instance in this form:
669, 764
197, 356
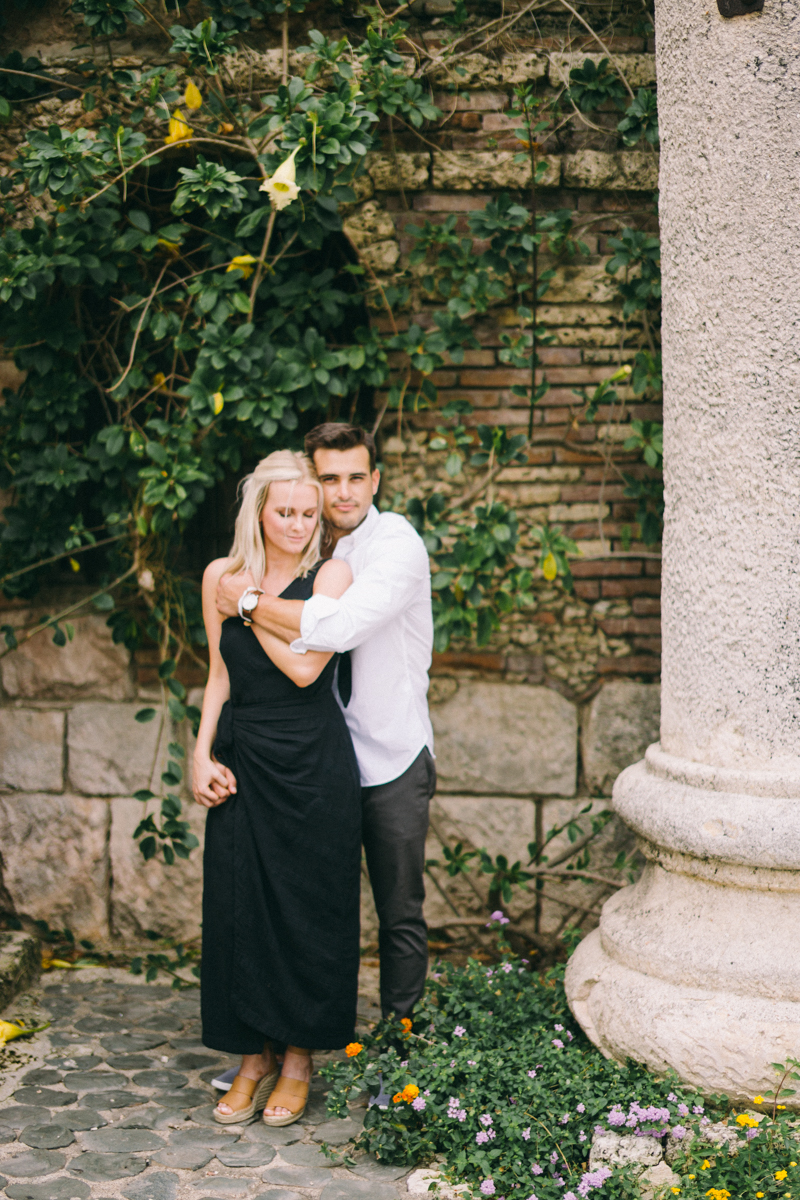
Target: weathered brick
615, 588
581, 491
586, 589
500, 377
473, 101
619, 626
640, 664
560, 356
577, 375
448, 203
556, 416
607, 567
652, 566
647, 606
651, 645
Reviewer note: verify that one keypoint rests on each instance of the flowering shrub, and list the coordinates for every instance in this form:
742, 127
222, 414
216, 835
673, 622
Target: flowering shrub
504, 1086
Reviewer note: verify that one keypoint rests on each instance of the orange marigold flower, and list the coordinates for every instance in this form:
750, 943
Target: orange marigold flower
406, 1023
410, 1092
353, 1049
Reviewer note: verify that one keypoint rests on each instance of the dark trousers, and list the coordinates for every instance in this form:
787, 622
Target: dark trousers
395, 824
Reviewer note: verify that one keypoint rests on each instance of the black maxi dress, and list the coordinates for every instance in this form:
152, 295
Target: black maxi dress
282, 860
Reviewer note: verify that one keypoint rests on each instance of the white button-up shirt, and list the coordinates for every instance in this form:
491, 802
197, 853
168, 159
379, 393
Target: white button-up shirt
385, 619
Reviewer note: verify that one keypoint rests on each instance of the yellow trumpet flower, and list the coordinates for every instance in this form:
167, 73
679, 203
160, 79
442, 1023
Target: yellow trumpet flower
281, 187
179, 131
192, 97
550, 567
15, 1029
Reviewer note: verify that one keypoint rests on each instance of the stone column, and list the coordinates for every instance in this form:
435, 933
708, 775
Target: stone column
697, 966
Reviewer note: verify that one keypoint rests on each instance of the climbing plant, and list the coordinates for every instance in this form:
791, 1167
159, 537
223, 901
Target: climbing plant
177, 290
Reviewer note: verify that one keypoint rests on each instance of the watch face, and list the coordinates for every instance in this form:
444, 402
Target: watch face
249, 602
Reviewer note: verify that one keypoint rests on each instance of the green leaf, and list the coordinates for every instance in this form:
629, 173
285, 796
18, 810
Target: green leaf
144, 794
166, 668
139, 220
144, 715
103, 602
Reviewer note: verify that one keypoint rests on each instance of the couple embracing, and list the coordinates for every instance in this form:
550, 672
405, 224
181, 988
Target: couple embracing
314, 736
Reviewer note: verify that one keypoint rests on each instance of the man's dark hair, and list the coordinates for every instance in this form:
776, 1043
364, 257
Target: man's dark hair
336, 435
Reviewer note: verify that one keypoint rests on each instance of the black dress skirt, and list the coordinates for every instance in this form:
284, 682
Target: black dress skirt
282, 860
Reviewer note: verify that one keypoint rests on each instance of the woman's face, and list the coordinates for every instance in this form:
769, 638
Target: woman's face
289, 516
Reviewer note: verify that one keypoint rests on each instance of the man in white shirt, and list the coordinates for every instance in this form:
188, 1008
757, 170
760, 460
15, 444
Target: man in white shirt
385, 620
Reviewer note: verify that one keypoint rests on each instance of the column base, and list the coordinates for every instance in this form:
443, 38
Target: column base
695, 967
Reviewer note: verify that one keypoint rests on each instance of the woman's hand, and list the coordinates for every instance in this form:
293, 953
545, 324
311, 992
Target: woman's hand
212, 782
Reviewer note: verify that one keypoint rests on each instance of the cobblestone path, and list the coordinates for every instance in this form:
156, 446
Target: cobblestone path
114, 1101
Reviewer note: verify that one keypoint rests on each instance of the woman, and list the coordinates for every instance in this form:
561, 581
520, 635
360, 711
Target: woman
275, 766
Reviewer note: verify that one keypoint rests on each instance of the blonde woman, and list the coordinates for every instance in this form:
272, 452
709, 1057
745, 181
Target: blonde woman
275, 766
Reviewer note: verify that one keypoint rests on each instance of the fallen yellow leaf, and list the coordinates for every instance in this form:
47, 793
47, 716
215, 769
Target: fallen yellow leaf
550, 567
219, 400
193, 97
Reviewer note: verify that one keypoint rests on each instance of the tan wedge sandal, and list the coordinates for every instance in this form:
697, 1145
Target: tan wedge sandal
291, 1094
251, 1095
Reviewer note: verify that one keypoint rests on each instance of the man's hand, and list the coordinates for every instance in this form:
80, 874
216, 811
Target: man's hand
229, 590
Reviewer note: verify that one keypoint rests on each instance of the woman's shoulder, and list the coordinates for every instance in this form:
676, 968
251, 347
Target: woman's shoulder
215, 570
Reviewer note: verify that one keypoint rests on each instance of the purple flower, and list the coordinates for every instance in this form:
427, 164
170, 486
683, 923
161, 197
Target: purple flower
554, 1158
537, 1170
698, 1108
705, 1121
672, 1098
489, 974
470, 1063
487, 1187
751, 1133
533, 1196
481, 1136
462, 1115
679, 1131
593, 1179
485, 1119
427, 1092
557, 1042
559, 1028
496, 917
459, 1031
570, 1196
418, 1105
568, 1036
531, 1074
404, 1064
526, 1133
683, 1111
581, 1108
506, 967
581, 1136
563, 1120
452, 1064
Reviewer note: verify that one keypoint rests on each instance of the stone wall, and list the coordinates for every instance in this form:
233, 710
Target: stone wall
527, 729
71, 754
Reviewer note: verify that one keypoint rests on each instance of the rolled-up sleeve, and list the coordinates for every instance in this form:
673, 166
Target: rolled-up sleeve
381, 591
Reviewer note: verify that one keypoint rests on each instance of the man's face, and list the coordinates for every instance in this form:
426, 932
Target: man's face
348, 484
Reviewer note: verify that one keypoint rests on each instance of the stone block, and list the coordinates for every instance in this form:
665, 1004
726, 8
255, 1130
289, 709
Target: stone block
478, 71
659, 1181
20, 964
380, 256
507, 739
500, 825
368, 225
419, 1182
634, 170
390, 172
55, 859
465, 170
109, 752
624, 1149
90, 665
638, 69
581, 284
622, 721
151, 895
32, 750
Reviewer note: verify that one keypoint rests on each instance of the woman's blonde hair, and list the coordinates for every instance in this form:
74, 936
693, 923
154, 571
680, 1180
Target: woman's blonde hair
248, 552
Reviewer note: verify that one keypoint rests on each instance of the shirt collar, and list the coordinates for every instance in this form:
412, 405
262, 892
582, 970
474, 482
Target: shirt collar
360, 533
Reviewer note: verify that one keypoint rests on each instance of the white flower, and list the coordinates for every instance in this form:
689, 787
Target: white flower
281, 187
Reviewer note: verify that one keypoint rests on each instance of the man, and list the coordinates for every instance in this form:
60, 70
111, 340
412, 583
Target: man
385, 619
